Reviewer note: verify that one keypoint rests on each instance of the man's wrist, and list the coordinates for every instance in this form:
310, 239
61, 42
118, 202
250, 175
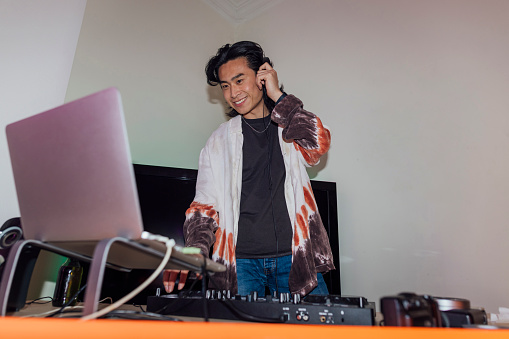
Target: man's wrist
281, 97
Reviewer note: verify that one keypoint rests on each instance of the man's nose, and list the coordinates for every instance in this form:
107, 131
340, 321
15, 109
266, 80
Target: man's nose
234, 91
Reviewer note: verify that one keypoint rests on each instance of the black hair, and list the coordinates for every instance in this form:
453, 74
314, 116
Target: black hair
255, 58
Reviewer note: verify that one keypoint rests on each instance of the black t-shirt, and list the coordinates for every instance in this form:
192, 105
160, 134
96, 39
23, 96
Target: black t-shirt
264, 225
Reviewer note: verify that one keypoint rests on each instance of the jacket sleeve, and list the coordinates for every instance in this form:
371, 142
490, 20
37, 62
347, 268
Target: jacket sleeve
304, 128
202, 218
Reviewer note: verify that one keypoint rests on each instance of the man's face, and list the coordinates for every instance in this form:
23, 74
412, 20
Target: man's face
240, 88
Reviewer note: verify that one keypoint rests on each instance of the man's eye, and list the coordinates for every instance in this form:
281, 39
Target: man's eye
224, 86
239, 81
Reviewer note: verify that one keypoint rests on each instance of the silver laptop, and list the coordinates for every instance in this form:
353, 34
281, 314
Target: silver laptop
73, 173
75, 180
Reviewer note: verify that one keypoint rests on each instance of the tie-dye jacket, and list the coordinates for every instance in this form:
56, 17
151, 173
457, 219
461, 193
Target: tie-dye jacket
214, 214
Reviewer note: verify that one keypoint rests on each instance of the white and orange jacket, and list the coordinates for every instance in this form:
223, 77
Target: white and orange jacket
214, 214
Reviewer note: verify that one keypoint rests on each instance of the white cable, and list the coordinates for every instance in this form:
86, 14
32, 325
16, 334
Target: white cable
169, 246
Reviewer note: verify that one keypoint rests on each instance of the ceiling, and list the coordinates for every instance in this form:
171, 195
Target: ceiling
238, 11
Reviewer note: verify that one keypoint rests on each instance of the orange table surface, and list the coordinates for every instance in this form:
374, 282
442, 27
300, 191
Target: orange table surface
15, 327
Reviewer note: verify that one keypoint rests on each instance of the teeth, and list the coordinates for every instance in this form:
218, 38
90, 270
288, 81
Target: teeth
239, 102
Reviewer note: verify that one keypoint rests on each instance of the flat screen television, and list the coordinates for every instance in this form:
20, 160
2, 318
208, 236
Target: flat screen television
165, 194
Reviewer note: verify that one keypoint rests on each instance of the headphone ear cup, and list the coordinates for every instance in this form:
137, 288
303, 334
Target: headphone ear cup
10, 233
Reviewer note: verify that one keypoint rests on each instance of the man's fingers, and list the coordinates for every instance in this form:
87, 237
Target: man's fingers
266, 66
259, 82
267, 76
169, 278
183, 278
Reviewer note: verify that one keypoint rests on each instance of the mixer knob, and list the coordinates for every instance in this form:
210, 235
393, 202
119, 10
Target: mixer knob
254, 295
208, 294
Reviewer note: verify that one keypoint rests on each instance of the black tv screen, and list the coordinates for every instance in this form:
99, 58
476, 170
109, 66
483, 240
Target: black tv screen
165, 194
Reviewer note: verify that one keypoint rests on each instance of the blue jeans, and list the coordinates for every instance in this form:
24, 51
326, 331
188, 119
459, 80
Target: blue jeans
256, 274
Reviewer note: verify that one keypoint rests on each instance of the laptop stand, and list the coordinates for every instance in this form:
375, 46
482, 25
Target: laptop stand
117, 253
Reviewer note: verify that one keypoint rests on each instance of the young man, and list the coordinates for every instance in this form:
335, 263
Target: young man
254, 200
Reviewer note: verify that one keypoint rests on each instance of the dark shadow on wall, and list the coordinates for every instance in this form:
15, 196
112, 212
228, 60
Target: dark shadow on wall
216, 97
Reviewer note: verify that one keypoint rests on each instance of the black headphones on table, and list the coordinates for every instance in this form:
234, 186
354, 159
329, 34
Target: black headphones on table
10, 233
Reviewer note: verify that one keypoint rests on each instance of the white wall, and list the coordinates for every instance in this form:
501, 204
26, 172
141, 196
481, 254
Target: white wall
416, 95
37, 45
414, 92
155, 52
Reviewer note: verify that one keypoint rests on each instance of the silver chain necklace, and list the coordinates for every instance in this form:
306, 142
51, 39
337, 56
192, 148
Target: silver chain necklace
254, 129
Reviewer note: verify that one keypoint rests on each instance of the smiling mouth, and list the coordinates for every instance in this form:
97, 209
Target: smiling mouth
239, 102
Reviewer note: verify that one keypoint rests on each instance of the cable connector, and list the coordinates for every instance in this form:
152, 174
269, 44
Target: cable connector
157, 237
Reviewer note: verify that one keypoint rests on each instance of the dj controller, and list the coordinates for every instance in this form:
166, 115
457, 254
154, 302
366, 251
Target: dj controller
285, 308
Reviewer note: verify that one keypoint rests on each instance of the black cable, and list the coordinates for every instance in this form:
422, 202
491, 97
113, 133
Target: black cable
189, 290
61, 310
269, 155
135, 315
184, 294
77, 313
243, 315
140, 307
203, 290
249, 317
35, 301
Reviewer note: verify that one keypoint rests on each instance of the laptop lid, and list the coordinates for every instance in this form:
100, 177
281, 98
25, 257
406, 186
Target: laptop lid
73, 172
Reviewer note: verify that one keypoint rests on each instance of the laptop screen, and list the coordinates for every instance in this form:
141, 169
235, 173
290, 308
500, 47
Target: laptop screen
73, 171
